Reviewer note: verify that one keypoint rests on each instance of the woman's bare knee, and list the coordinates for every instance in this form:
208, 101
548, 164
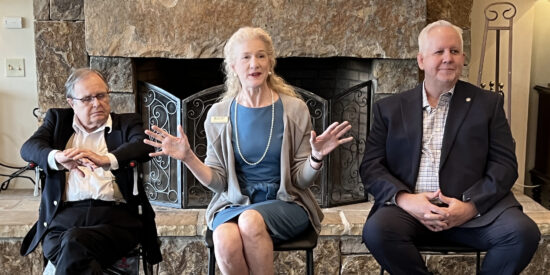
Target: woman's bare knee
252, 224
227, 240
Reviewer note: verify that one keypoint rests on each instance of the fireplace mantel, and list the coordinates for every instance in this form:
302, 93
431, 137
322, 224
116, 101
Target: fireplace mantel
199, 29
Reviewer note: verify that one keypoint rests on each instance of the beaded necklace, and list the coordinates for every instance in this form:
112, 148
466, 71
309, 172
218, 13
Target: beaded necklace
268, 140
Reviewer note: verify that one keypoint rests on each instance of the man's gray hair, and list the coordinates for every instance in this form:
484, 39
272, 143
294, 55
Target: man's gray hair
78, 75
422, 37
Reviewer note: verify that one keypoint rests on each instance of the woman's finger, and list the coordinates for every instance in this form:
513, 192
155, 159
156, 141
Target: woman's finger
156, 154
152, 143
331, 127
342, 126
313, 136
345, 140
153, 135
180, 130
343, 131
161, 131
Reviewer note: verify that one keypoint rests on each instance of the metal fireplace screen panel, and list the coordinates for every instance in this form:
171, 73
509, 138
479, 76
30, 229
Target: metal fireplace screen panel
353, 105
318, 110
195, 109
161, 175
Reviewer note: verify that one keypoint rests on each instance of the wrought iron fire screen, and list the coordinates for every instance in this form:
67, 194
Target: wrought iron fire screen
169, 183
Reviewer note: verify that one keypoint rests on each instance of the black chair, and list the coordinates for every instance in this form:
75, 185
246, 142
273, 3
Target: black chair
306, 241
127, 265
446, 248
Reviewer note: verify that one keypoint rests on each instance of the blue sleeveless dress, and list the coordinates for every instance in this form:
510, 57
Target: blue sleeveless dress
261, 182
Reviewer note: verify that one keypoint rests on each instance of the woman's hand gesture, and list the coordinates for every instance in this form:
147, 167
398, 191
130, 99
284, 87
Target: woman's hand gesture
330, 139
176, 147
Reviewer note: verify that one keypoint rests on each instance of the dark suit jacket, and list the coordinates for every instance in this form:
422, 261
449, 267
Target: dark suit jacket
478, 161
125, 142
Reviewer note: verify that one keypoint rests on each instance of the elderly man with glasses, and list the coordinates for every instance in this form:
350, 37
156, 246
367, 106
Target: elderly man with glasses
92, 212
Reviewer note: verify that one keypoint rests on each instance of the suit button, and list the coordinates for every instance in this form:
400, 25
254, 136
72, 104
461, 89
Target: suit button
55, 203
45, 224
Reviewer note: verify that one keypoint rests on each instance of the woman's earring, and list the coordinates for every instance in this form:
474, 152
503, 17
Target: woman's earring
269, 73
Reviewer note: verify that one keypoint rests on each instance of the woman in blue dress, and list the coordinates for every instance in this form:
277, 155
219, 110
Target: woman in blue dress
262, 156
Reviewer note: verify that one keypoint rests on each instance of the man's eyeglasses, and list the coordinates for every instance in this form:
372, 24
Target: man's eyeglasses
89, 99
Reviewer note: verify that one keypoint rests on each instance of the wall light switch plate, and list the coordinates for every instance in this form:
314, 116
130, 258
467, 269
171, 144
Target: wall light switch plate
13, 22
15, 67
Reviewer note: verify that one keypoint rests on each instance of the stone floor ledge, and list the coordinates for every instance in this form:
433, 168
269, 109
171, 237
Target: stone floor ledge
339, 250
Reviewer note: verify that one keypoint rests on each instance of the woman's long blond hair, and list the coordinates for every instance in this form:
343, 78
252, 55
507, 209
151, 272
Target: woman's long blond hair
232, 83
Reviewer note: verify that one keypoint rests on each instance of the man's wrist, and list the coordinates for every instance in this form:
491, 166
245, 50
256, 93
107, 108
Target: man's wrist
113, 163
393, 200
52, 162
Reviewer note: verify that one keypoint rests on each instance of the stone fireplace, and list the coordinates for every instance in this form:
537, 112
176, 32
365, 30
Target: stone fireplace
324, 47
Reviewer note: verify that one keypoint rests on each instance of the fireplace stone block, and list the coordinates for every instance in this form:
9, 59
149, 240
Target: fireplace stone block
41, 9
394, 75
59, 48
67, 9
118, 71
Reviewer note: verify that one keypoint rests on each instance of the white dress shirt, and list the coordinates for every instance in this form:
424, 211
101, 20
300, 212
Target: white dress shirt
98, 184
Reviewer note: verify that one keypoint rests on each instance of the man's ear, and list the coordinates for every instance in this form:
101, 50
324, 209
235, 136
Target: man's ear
420, 60
71, 102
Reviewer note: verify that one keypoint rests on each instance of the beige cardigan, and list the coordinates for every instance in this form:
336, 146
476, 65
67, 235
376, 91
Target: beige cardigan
296, 172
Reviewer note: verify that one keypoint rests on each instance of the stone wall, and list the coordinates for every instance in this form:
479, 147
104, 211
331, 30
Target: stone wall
457, 12
334, 255
358, 28
199, 29
60, 47
339, 249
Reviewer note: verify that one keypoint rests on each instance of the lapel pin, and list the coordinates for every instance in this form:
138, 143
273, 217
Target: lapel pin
468, 99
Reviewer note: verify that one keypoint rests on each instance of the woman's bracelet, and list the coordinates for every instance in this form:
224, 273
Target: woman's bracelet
314, 159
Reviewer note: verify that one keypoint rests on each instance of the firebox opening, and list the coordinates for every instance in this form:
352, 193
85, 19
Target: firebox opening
322, 76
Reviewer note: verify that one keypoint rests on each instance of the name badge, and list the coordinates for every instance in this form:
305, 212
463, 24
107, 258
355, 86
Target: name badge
219, 119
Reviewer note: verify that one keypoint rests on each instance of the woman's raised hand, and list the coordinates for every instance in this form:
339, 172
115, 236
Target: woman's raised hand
176, 147
330, 139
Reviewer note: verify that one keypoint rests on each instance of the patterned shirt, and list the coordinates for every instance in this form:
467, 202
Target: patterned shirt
433, 127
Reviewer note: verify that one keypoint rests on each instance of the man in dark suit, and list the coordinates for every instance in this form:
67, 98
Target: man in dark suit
440, 163
92, 211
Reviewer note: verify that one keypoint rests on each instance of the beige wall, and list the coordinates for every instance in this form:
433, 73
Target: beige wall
18, 95
540, 75
521, 61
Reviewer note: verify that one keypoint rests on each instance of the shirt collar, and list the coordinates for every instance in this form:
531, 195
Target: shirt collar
108, 125
425, 104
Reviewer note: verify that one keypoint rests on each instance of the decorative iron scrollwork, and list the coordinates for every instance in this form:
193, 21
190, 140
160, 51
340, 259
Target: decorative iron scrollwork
352, 105
161, 174
338, 183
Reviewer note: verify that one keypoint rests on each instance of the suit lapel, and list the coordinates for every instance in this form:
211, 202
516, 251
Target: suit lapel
460, 105
411, 112
66, 130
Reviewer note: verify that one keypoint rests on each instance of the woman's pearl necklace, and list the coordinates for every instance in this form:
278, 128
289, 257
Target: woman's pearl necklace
268, 140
